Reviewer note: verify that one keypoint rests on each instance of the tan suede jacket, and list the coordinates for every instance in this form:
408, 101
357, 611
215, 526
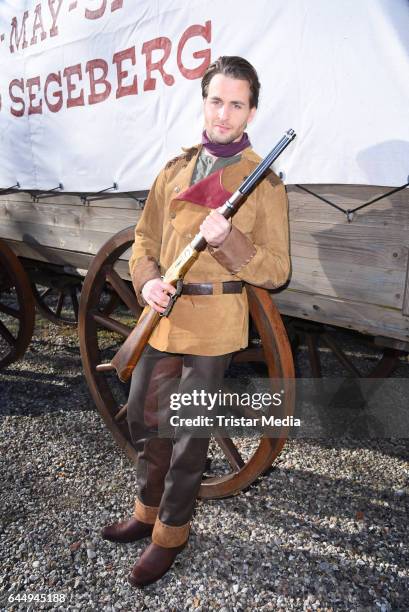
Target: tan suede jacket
255, 251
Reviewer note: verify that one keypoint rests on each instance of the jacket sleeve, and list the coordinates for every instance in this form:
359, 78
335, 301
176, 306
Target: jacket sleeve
144, 260
261, 258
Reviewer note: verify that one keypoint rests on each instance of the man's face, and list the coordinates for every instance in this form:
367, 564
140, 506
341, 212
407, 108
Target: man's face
227, 109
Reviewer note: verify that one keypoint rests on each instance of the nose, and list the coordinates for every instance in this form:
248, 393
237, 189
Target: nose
223, 112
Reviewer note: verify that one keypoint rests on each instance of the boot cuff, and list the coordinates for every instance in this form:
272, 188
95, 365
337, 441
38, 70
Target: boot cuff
146, 514
169, 536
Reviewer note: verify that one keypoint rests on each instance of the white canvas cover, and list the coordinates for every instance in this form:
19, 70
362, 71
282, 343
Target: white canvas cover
101, 91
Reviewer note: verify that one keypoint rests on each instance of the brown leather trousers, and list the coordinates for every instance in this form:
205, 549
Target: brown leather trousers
169, 470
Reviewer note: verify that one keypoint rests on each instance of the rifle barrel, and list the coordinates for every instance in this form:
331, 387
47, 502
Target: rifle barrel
267, 161
199, 242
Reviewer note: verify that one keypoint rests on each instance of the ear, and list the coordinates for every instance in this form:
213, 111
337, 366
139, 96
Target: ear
251, 114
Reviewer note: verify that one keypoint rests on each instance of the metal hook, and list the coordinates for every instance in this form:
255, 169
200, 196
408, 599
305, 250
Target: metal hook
45, 194
86, 199
12, 187
60, 186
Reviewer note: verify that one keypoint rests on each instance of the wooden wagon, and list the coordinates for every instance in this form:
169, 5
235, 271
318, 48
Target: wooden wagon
347, 272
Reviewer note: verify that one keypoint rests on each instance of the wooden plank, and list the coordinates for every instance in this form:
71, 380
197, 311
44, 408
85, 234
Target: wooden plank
73, 259
88, 218
355, 281
46, 254
111, 201
374, 247
351, 314
405, 306
393, 210
391, 343
321, 276
84, 241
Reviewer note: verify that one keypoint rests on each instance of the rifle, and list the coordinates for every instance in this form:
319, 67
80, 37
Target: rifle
128, 355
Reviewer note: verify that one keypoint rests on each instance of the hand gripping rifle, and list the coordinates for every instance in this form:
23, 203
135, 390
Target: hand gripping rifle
128, 355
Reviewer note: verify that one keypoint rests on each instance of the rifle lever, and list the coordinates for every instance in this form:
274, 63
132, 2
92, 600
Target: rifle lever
173, 298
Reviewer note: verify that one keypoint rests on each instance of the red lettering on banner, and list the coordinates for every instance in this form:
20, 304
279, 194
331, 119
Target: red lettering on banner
195, 30
17, 39
54, 15
100, 86
38, 24
92, 65
18, 100
68, 74
121, 56
54, 106
162, 43
116, 4
34, 110
96, 13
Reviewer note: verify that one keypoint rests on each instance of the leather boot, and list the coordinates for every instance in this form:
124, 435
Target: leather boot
131, 530
153, 564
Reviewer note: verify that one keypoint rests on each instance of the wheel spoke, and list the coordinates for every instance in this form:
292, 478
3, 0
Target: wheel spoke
105, 367
8, 337
121, 414
111, 304
111, 324
340, 355
60, 303
45, 293
12, 312
123, 291
387, 364
255, 354
231, 453
74, 301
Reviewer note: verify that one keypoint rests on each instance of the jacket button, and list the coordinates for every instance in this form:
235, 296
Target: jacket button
172, 215
177, 189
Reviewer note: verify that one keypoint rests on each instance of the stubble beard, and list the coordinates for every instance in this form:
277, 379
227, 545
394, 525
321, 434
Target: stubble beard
220, 139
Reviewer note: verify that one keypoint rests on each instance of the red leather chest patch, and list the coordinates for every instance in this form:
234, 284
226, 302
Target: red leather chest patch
208, 192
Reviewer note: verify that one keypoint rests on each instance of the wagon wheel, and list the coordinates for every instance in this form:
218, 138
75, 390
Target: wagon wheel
59, 304
379, 362
16, 307
101, 335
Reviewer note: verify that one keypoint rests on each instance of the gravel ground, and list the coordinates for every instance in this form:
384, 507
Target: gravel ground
325, 529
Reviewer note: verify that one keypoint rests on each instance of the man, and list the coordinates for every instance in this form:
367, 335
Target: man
209, 321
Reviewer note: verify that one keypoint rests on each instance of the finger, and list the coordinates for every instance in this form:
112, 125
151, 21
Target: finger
220, 221
155, 306
208, 224
162, 299
168, 288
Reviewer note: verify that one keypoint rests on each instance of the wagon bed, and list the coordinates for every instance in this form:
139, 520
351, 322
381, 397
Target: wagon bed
349, 274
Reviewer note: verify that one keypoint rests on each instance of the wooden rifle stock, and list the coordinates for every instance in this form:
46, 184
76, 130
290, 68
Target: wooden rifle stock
125, 360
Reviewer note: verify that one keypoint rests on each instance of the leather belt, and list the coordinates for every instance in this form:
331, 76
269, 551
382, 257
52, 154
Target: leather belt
208, 288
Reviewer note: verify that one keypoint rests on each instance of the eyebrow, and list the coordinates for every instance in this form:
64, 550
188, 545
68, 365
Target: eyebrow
217, 99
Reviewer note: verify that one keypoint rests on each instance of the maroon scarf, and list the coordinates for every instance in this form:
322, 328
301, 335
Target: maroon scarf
225, 150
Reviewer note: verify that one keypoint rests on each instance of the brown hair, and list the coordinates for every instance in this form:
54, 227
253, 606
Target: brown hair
237, 68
